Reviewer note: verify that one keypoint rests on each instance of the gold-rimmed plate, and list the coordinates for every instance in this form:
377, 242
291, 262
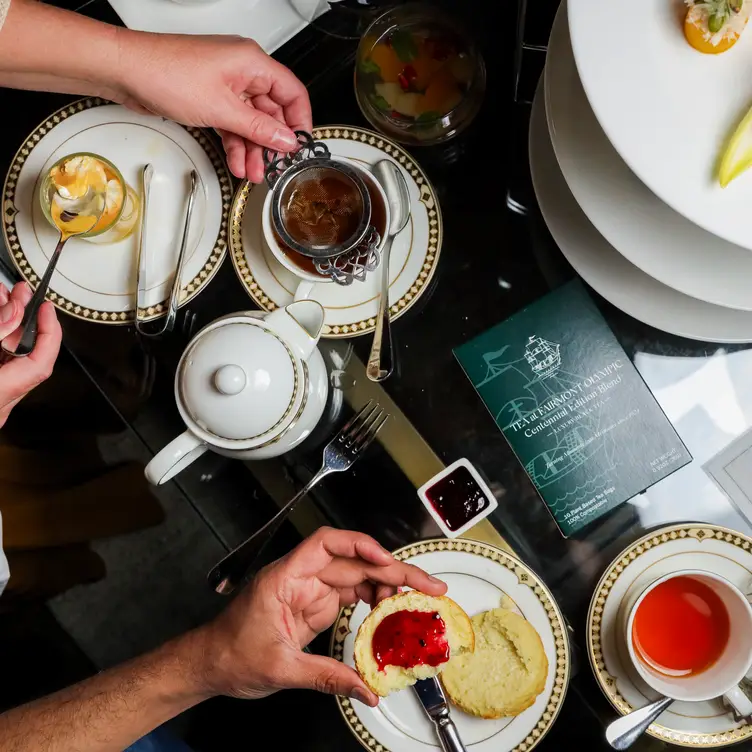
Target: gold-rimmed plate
688, 546
480, 577
349, 311
97, 282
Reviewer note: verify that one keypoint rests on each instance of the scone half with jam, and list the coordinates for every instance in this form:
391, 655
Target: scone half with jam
408, 637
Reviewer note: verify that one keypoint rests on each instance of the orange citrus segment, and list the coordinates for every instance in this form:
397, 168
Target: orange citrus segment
696, 33
390, 65
738, 154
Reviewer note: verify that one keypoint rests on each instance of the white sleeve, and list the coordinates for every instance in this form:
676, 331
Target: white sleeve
4, 571
4, 5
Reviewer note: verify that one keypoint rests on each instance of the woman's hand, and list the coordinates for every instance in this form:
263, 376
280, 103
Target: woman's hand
255, 647
223, 82
18, 376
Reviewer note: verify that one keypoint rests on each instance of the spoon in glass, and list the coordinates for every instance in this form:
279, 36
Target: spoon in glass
77, 217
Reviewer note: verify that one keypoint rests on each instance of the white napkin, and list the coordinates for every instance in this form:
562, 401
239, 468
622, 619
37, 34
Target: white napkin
270, 22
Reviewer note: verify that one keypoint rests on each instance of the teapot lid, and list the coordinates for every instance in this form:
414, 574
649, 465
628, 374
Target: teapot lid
239, 381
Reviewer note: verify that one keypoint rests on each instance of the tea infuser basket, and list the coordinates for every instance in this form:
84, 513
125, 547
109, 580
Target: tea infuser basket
321, 208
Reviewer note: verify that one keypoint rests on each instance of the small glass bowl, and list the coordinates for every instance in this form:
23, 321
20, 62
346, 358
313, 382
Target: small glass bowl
121, 225
419, 78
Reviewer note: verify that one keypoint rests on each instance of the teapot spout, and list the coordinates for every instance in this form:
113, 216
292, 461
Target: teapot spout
300, 324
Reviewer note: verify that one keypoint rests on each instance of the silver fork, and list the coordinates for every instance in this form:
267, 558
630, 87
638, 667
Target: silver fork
339, 455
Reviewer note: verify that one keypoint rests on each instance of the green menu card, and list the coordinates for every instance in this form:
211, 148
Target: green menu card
570, 403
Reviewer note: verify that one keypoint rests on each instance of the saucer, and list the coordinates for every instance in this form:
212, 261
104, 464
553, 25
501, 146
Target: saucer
97, 282
687, 546
479, 577
350, 311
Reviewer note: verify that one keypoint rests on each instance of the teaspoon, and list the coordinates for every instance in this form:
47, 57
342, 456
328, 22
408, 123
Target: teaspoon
90, 206
624, 732
381, 360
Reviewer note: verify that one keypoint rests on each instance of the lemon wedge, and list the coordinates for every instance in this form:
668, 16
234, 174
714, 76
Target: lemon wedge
738, 154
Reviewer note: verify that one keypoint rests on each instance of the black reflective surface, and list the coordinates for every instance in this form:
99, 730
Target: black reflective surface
493, 262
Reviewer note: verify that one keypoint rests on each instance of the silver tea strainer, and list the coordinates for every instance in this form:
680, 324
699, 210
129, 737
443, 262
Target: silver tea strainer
321, 209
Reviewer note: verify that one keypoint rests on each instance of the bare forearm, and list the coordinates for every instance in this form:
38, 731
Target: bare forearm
42, 47
110, 711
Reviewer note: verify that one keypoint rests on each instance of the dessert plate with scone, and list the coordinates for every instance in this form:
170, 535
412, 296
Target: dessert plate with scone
497, 642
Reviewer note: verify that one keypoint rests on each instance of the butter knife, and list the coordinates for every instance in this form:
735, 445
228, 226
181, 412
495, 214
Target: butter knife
433, 700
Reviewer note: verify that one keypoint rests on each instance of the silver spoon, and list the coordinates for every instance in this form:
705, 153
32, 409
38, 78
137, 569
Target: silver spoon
381, 360
92, 204
625, 731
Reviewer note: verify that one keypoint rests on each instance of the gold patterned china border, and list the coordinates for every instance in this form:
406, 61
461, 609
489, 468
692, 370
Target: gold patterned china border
427, 197
525, 576
188, 291
607, 682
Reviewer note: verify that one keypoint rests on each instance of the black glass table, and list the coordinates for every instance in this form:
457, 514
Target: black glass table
497, 256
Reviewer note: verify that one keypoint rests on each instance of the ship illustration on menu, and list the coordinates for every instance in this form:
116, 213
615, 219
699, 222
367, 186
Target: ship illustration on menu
543, 356
533, 379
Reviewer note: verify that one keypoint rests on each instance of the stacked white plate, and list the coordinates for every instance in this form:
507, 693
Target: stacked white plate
627, 126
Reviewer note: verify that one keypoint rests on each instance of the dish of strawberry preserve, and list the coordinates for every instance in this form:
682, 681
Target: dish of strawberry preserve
457, 498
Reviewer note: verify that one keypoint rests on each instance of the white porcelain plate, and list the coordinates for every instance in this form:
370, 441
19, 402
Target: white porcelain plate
665, 107
650, 234
97, 282
688, 546
478, 576
606, 270
350, 311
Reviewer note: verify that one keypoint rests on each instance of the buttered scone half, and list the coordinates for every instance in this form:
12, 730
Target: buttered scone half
410, 636
506, 672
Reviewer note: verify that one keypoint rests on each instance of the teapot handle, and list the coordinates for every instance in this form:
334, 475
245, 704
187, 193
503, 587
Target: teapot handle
176, 456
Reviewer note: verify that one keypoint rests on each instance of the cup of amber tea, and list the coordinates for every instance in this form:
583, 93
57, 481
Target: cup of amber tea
689, 636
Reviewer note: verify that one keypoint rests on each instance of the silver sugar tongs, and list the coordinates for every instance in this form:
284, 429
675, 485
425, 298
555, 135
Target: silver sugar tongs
169, 322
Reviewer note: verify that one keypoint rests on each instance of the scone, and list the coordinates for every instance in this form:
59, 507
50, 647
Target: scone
506, 672
410, 636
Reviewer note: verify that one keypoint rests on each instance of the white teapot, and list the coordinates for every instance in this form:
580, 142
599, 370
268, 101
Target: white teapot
251, 385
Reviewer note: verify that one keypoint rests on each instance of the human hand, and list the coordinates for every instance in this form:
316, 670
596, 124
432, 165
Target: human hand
18, 376
223, 82
255, 647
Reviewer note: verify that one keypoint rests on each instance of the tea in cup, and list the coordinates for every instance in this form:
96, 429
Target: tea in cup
302, 266
689, 636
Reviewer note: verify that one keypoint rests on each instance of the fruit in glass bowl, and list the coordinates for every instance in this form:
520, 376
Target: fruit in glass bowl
418, 78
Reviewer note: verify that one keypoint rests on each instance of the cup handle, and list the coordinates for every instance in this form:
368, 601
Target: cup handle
304, 290
176, 456
740, 698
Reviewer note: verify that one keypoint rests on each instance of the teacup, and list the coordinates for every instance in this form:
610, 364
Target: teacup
719, 605
303, 267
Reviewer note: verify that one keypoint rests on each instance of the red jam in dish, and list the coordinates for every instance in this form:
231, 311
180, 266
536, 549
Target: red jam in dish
457, 498
410, 638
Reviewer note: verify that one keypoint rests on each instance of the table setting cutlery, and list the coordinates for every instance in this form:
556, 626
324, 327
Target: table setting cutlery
434, 702
625, 731
168, 323
381, 359
339, 455
78, 216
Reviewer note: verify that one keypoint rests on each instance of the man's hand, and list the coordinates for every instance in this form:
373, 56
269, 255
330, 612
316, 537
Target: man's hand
18, 376
252, 649
223, 82
255, 647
